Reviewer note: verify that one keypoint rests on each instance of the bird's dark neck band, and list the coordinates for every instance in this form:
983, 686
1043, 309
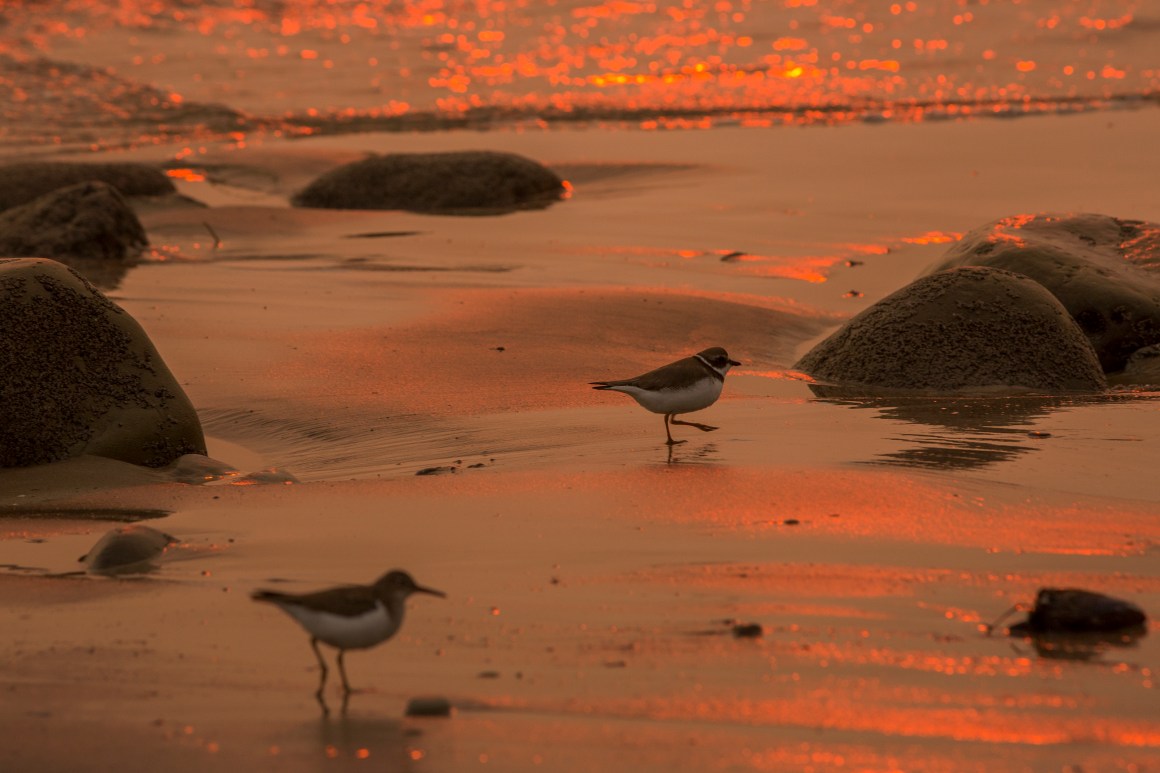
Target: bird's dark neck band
712, 371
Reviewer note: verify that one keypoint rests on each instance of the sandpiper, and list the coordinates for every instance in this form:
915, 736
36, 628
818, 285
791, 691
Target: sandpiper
680, 387
349, 617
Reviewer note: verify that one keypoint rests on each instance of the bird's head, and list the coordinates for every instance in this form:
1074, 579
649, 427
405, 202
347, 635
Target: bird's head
401, 585
719, 359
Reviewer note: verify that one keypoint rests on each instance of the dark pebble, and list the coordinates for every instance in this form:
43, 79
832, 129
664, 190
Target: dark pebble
748, 630
428, 707
435, 470
791, 521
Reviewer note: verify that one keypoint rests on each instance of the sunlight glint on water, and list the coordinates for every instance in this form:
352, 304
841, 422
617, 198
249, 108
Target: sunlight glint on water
142, 71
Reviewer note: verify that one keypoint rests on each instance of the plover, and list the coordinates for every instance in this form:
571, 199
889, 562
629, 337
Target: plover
680, 387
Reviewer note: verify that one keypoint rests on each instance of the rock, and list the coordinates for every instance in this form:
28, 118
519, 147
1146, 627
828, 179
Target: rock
196, 469
1143, 367
1073, 610
748, 631
79, 376
436, 470
1102, 269
428, 707
470, 182
21, 183
963, 330
127, 550
88, 226
266, 477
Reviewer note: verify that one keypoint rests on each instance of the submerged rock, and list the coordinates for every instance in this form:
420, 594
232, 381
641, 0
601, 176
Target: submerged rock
967, 329
469, 182
23, 182
129, 549
1143, 367
87, 226
1102, 269
79, 376
196, 469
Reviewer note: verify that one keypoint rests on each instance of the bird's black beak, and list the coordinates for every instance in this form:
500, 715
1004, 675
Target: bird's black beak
734, 362
431, 591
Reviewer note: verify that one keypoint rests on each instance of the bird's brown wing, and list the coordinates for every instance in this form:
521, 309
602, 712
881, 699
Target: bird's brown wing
348, 602
688, 368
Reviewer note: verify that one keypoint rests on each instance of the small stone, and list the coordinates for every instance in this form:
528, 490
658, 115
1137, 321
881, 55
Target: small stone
748, 630
268, 476
488, 675
791, 521
435, 470
429, 707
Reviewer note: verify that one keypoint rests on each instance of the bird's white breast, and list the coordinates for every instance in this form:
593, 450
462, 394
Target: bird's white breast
347, 633
701, 394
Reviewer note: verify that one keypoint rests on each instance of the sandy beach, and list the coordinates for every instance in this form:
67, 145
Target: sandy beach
593, 574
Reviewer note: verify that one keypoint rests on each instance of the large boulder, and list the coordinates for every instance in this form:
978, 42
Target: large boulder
23, 182
469, 182
1102, 269
88, 226
79, 376
963, 330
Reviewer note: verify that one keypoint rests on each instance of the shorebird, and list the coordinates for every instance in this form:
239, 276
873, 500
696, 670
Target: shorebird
349, 617
680, 387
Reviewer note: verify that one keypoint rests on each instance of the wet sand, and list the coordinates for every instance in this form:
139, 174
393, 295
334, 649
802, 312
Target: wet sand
593, 574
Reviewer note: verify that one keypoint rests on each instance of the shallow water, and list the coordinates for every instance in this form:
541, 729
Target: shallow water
97, 73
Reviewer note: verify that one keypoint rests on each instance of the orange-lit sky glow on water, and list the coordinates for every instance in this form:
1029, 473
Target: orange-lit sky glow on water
152, 67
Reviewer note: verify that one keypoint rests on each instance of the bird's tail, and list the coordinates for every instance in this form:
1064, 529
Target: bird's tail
602, 384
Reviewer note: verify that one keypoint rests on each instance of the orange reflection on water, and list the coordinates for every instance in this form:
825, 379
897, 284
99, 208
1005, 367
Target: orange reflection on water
983, 720
189, 175
933, 237
667, 63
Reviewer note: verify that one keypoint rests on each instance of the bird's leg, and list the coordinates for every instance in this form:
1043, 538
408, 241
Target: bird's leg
342, 672
702, 427
321, 677
668, 434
